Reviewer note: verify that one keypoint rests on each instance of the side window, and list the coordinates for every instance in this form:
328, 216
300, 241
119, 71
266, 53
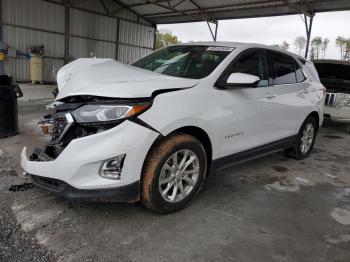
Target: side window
253, 63
284, 69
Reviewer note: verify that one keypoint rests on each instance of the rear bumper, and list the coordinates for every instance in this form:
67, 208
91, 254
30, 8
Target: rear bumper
127, 193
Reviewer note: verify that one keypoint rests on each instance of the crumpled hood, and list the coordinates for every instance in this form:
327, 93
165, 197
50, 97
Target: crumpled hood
109, 78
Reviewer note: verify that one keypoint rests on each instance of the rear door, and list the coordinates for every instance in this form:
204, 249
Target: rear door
292, 91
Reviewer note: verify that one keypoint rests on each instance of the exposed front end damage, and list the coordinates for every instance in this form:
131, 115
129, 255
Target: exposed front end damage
62, 127
90, 160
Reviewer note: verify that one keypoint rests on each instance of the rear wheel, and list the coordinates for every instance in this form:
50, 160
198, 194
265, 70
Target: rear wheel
305, 140
173, 173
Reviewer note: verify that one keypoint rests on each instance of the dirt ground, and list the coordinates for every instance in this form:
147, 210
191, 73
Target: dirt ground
270, 209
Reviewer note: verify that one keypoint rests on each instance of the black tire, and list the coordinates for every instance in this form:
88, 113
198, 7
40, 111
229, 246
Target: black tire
296, 151
158, 156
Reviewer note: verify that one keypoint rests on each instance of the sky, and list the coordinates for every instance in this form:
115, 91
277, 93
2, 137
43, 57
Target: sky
269, 30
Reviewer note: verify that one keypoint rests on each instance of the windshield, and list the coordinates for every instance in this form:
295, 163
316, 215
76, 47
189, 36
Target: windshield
185, 61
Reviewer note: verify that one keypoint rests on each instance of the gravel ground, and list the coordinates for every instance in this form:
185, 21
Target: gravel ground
15, 245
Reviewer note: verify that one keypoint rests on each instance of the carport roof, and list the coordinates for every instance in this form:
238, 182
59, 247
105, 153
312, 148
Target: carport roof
179, 11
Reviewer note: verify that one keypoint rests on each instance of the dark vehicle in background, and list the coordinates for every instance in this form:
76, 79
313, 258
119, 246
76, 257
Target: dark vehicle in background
335, 76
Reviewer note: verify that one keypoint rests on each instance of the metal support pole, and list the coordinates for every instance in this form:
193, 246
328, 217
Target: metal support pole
117, 40
1, 39
213, 34
308, 27
66, 33
154, 37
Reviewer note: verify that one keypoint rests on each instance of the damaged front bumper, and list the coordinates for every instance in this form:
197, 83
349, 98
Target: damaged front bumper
75, 173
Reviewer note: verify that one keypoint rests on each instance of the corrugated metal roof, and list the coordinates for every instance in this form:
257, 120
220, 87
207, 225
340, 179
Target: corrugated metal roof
178, 11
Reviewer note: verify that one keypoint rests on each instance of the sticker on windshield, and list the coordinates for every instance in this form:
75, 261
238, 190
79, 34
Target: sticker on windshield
220, 48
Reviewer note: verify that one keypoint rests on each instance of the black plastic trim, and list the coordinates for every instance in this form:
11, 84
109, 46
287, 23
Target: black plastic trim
253, 153
140, 122
220, 82
163, 91
128, 193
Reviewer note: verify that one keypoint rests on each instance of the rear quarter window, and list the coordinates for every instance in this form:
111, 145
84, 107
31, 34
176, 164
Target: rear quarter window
311, 70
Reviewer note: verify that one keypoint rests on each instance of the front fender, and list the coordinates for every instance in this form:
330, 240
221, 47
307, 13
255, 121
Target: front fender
187, 108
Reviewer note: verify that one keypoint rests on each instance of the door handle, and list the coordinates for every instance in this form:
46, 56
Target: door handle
270, 96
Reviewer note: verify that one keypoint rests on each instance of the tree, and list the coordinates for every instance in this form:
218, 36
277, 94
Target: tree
164, 38
316, 45
325, 44
347, 50
341, 42
284, 45
300, 44
312, 53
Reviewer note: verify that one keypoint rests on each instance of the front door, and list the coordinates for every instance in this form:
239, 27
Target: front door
248, 119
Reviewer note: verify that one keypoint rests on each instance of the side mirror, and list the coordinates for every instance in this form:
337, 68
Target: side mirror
242, 80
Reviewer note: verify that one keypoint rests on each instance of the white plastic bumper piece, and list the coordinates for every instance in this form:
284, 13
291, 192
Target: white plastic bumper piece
80, 162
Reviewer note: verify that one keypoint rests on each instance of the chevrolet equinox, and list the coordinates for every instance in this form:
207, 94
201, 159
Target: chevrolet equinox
153, 130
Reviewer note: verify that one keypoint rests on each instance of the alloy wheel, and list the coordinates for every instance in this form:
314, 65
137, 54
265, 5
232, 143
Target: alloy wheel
179, 175
307, 138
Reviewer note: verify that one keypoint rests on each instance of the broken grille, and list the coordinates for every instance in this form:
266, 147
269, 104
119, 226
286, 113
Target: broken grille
331, 99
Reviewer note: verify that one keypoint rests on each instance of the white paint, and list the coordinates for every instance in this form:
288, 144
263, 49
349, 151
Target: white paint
277, 185
242, 78
107, 77
330, 175
302, 180
341, 215
1, 151
31, 219
342, 238
42, 238
343, 193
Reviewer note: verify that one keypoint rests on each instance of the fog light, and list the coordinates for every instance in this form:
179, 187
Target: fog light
112, 168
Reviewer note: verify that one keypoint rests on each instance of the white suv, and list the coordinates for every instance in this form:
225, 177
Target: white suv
153, 130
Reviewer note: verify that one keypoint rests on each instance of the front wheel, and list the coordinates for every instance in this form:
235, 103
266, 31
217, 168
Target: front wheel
173, 173
305, 139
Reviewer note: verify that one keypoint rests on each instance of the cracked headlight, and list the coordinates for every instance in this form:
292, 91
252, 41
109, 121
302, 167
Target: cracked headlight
106, 113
